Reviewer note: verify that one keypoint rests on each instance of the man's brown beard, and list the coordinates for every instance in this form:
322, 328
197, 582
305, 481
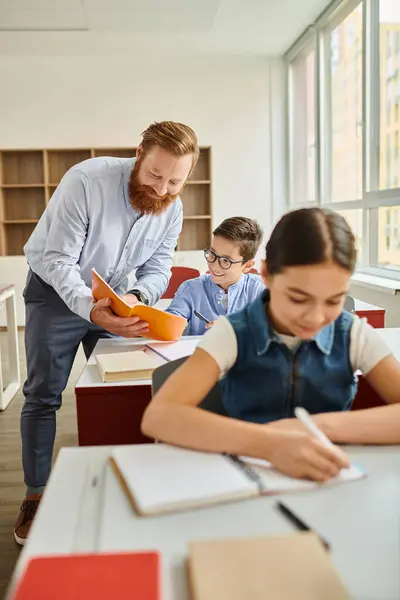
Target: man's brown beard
144, 199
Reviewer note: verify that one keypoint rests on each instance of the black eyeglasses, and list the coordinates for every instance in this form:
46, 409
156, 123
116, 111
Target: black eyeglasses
224, 262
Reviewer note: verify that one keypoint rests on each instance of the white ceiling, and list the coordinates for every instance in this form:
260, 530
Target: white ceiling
90, 27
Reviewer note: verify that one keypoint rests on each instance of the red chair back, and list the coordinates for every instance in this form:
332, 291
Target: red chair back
178, 276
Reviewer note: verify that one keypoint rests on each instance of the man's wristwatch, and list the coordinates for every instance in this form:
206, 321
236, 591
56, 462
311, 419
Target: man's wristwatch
140, 296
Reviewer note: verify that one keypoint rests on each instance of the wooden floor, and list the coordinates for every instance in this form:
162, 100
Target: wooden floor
12, 488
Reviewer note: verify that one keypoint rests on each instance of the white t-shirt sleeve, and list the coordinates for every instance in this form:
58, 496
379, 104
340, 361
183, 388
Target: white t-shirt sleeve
367, 347
221, 344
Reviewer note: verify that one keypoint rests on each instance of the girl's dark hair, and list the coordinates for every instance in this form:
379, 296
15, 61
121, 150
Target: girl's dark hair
310, 236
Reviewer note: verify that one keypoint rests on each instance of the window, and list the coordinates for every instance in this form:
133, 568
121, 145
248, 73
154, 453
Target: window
303, 129
334, 50
350, 33
388, 180
388, 237
389, 32
389, 94
346, 111
356, 159
396, 228
387, 229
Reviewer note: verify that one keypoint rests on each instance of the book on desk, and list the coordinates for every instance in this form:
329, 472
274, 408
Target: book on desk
140, 364
99, 576
158, 478
287, 567
126, 366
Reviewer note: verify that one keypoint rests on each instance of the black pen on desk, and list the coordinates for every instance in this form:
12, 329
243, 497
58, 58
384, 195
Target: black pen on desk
299, 523
200, 316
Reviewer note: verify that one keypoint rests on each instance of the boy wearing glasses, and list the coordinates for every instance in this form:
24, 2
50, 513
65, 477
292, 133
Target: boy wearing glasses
228, 286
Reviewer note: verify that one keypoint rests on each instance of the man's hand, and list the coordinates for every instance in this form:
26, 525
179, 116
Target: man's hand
129, 327
210, 324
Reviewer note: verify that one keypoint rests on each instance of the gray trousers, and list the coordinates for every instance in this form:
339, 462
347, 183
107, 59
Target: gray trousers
52, 337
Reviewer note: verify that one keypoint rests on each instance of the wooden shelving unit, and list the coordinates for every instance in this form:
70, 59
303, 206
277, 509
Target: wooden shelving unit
28, 179
197, 205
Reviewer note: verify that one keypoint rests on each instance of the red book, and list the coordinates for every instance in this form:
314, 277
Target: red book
133, 576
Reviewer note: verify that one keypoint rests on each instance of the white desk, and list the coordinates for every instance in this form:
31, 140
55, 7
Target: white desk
360, 305
163, 303
90, 375
361, 520
111, 413
7, 295
391, 335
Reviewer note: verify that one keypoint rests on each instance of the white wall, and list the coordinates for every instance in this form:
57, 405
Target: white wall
236, 105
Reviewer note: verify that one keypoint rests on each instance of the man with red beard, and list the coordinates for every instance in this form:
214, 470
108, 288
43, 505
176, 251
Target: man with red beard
120, 216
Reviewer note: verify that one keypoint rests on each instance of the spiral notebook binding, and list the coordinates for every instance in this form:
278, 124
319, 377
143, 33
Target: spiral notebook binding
248, 471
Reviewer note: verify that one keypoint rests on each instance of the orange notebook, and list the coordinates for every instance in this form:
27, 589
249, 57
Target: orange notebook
162, 325
133, 576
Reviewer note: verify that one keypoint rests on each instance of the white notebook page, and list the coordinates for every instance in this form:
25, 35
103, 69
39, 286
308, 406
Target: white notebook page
163, 478
174, 350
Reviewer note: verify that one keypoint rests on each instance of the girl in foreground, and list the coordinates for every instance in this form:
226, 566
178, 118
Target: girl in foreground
293, 346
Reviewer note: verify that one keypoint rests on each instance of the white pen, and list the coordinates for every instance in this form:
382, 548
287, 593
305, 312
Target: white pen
304, 417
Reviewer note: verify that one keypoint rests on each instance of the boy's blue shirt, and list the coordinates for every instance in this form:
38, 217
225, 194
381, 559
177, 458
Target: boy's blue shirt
205, 296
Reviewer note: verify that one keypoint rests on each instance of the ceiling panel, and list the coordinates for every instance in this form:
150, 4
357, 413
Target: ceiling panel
29, 19
152, 16
40, 4
148, 6
154, 27
284, 19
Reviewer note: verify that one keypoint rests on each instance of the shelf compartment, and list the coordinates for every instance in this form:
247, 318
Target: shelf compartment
117, 152
16, 236
196, 200
23, 203
202, 169
195, 234
196, 217
60, 161
22, 167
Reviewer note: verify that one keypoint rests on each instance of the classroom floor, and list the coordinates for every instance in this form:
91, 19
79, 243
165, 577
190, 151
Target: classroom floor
11, 477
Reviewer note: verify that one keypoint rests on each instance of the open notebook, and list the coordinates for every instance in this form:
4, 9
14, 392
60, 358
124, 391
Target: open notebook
159, 478
288, 567
174, 350
162, 325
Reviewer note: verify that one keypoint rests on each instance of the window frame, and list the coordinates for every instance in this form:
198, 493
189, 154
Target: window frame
317, 37
309, 45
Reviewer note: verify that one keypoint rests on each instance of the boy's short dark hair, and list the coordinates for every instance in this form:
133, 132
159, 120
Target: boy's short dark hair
245, 232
